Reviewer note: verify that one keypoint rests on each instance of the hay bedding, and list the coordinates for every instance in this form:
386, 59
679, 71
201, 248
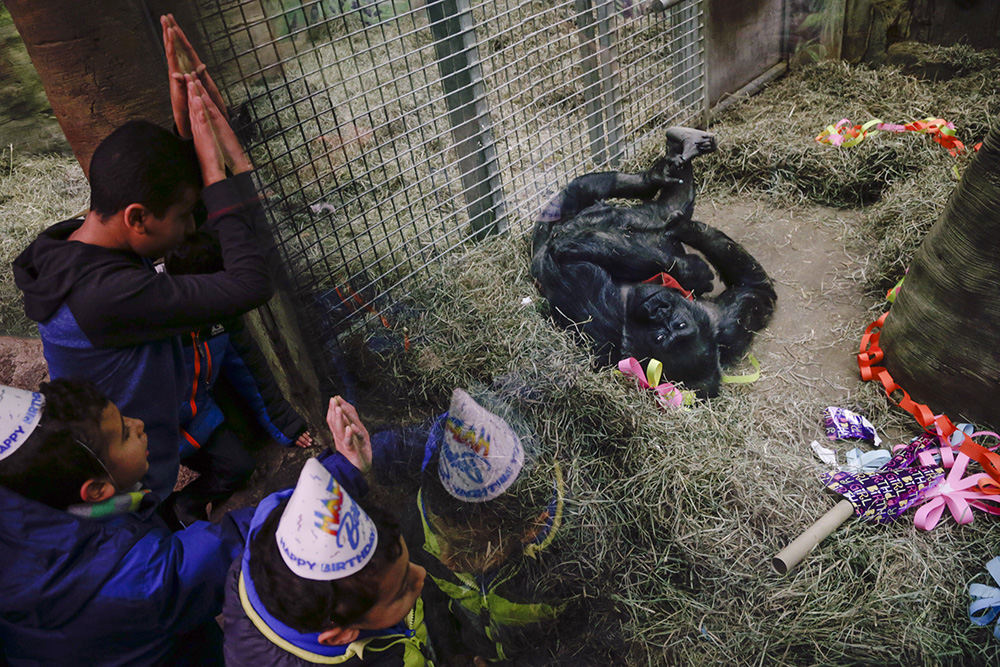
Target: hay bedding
673, 516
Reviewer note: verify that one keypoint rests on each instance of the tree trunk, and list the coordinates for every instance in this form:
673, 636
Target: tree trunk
942, 336
101, 64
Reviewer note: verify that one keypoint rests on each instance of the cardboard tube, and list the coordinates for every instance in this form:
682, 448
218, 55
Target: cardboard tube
793, 554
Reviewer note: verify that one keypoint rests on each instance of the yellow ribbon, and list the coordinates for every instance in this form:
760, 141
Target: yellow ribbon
654, 371
749, 377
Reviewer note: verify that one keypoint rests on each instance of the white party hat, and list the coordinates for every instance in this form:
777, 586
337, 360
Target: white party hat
323, 534
20, 412
481, 456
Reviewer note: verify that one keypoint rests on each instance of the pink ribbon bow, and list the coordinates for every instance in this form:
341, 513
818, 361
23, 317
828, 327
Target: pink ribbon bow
667, 395
960, 495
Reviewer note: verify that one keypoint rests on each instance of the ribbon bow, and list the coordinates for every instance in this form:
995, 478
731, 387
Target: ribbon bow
985, 605
942, 131
845, 134
748, 378
667, 395
867, 461
958, 494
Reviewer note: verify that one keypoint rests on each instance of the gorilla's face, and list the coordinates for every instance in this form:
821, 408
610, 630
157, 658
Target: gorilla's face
660, 323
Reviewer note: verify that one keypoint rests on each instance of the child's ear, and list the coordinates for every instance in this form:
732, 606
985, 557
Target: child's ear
338, 636
134, 216
95, 490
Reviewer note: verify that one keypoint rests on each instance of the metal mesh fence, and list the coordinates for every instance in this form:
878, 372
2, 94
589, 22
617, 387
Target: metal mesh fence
389, 132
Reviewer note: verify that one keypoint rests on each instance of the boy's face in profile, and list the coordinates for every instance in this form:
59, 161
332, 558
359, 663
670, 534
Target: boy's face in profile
126, 457
398, 590
163, 234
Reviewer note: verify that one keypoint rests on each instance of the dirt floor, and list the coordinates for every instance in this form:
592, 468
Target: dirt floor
804, 252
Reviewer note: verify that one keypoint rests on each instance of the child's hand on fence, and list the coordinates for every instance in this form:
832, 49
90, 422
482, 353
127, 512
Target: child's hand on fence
304, 440
221, 141
349, 435
232, 152
210, 156
183, 59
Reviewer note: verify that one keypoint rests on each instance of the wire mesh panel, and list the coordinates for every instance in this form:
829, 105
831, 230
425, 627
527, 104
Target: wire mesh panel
387, 133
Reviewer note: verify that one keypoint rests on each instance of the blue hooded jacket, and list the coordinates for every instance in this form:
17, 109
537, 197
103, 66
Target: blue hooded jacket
107, 316
110, 591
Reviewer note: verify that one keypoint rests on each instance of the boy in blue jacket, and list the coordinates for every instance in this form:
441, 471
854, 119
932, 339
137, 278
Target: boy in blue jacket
323, 581
103, 312
89, 575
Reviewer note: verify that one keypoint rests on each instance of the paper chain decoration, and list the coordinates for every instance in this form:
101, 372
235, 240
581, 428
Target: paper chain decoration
847, 135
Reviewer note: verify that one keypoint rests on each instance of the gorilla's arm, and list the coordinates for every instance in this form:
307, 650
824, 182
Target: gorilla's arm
562, 213
748, 301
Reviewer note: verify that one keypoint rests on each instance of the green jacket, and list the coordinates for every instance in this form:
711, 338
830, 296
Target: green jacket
493, 615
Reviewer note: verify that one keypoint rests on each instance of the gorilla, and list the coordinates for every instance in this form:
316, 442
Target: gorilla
601, 268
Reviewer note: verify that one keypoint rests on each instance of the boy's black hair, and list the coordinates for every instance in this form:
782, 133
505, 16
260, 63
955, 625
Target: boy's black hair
308, 605
141, 163
52, 465
199, 253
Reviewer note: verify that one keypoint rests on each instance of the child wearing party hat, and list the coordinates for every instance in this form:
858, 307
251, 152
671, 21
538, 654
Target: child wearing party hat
89, 571
486, 510
323, 581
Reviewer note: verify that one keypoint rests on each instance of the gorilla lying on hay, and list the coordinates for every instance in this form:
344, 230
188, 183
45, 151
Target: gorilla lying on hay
592, 261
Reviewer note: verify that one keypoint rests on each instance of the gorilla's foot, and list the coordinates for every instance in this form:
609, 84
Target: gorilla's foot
687, 143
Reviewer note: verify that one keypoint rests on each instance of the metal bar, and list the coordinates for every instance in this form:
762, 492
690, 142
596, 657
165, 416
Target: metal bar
452, 25
610, 79
590, 64
706, 111
688, 47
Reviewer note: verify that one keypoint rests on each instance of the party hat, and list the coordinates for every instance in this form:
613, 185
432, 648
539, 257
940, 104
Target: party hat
20, 412
323, 534
481, 456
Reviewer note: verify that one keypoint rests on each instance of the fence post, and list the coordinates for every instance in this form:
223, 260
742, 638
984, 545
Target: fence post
454, 32
610, 80
590, 65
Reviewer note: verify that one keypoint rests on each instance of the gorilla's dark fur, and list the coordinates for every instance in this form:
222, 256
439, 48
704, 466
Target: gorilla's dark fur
590, 260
